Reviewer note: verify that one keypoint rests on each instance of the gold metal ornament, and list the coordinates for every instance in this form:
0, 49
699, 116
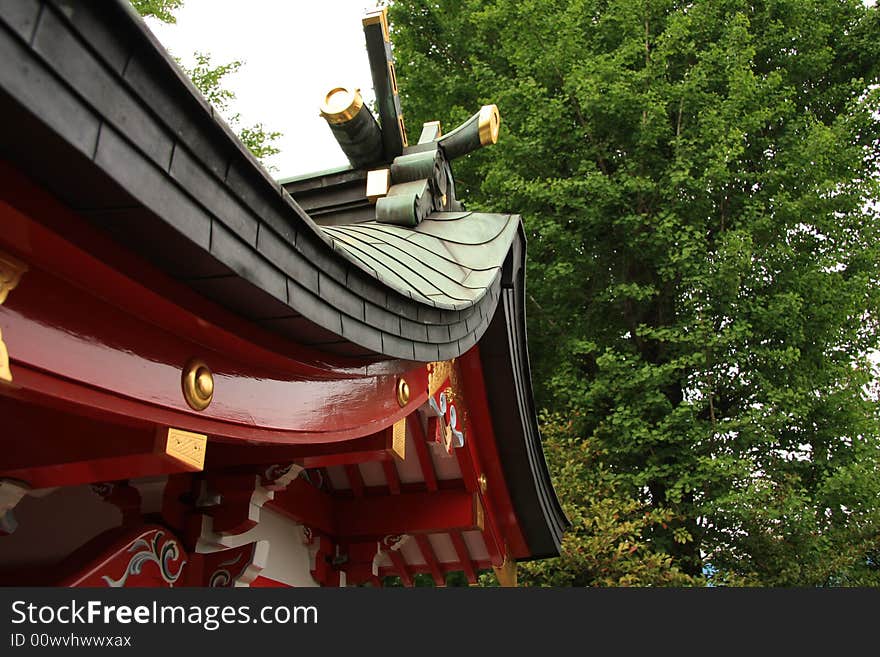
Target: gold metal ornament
438, 374
11, 271
402, 392
398, 439
198, 385
186, 447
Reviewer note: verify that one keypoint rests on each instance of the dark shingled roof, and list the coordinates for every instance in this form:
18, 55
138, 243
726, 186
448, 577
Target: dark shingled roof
94, 109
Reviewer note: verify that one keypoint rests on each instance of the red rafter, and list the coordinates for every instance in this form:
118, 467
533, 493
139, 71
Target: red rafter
425, 462
355, 480
430, 559
464, 557
401, 567
392, 477
326, 481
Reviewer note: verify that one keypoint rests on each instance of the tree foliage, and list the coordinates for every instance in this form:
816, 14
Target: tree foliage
162, 10
698, 182
209, 80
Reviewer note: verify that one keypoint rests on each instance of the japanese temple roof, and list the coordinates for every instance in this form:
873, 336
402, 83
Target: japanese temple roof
108, 123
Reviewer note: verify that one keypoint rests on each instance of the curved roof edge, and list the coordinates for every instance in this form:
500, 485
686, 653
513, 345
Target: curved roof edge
504, 352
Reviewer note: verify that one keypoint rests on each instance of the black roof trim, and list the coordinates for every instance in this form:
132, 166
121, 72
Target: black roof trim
505, 359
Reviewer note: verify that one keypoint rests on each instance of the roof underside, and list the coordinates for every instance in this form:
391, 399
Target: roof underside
96, 111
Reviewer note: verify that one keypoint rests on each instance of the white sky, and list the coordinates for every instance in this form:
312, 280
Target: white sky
293, 53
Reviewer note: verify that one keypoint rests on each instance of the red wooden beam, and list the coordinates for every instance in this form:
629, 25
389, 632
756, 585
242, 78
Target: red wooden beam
45, 447
355, 480
400, 567
425, 463
306, 505
430, 559
369, 518
407, 513
464, 556
373, 447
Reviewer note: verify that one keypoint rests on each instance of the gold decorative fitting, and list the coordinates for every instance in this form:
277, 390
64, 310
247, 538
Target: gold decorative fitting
402, 128
398, 439
402, 392
341, 105
438, 374
198, 385
378, 183
479, 514
431, 131
489, 124
484, 484
11, 271
186, 447
379, 16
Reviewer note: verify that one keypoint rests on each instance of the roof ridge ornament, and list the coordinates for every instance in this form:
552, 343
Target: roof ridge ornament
416, 180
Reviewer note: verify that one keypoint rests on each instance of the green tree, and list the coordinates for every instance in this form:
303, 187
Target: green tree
605, 545
209, 80
162, 10
698, 182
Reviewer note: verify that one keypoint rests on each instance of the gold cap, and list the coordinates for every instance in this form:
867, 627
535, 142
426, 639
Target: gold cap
489, 123
341, 105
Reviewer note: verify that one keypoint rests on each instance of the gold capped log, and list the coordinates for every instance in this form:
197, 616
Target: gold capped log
353, 125
489, 124
341, 105
480, 130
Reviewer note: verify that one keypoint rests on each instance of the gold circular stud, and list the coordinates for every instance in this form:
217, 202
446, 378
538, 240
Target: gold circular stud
484, 484
198, 385
402, 392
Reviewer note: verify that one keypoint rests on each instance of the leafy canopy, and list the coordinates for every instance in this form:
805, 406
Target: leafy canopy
209, 80
698, 182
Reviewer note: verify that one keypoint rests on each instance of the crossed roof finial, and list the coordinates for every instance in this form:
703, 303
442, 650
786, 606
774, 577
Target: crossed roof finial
416, 180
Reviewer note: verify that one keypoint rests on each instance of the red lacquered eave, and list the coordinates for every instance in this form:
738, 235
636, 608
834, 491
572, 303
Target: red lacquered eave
80, 332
